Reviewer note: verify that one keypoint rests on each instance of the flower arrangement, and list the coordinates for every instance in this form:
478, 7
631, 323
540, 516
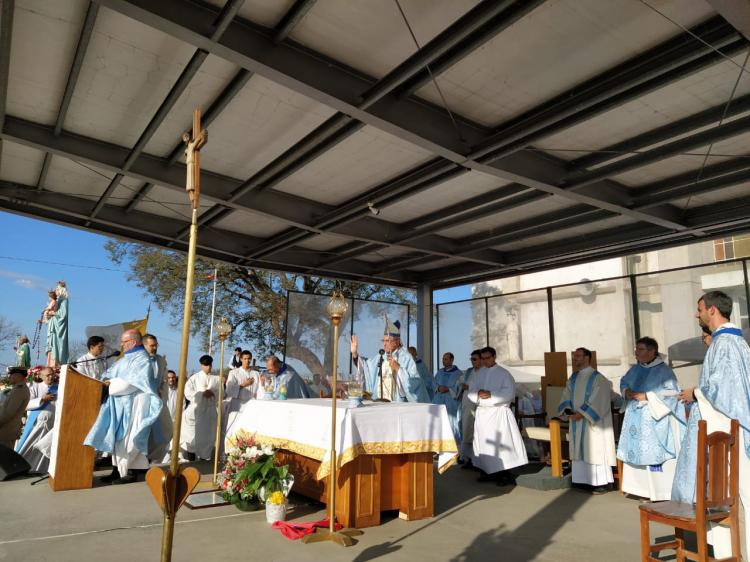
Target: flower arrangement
277, 498
251, 472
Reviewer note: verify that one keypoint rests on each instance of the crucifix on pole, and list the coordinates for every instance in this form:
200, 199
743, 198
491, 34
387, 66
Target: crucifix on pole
172, 487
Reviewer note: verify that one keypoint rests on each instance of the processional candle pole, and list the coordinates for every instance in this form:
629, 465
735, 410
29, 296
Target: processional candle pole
336, 308
170, 500
223, 329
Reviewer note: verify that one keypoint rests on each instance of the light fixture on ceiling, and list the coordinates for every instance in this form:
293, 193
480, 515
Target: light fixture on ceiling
373, 209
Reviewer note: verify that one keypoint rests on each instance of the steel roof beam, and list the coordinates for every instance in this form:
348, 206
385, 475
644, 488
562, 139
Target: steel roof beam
221, 244
469, 32
669, 131
576, 180
736, 13
6, 39
306, 74
668, 61
293, 16
225, 17
219, 104
70, 84
292, 210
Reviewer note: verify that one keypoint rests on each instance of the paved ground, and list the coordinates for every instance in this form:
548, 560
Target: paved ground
473, 522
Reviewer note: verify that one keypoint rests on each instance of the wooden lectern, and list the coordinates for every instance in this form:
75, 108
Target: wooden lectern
71, 464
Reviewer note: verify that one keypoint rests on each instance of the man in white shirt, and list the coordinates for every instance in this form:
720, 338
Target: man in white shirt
242, 383
40, 418
198, 434
93, 363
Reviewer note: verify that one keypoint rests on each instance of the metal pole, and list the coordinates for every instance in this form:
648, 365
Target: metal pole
217, 445
486, 321
550, 320
168, 529
634, 304
332, 476
213, 311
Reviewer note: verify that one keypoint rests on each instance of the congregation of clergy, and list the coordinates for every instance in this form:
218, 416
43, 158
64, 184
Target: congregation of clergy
657, 444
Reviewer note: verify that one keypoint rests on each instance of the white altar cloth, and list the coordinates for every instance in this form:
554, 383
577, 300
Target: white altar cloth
375, 428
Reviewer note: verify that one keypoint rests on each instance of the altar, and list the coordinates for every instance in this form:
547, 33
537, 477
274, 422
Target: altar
384, 452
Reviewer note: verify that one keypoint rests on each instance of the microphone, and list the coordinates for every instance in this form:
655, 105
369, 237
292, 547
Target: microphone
381, 352
100, 358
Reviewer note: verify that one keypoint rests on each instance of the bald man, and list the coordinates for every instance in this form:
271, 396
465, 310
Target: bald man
127, 418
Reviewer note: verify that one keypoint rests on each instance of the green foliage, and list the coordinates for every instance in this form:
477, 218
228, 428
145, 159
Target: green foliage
254, 301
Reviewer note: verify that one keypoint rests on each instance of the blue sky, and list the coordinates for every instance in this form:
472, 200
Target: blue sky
99, 291
34, 254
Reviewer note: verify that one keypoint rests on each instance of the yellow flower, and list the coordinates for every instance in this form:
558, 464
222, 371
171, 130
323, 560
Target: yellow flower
277, 498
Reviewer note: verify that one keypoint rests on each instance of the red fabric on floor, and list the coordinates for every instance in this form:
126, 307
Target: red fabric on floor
294, 531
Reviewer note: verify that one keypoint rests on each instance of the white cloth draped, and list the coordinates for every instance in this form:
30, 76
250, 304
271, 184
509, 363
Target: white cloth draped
303, 426
497, 443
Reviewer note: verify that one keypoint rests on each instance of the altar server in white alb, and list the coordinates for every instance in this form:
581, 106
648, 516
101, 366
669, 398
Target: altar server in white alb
653, 425
242, 383
198, 434
394, 370
497, 445
586, 401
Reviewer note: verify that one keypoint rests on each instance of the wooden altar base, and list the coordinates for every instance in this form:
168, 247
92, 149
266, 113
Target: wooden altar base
369, 485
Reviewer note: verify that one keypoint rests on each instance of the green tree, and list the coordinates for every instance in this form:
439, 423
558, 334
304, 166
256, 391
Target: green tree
253, 300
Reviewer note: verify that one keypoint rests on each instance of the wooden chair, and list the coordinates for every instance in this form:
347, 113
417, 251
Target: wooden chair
717, 487
555, 433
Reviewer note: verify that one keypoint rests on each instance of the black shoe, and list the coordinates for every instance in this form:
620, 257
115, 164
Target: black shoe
460, 460
484, 477
506, 479
467, 465
129, 478
600, 490
112, 476
190, 457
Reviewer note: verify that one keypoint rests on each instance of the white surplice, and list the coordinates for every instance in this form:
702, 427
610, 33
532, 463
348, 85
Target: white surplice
497, 443
240, 395
199, 419
592, 439
91, 366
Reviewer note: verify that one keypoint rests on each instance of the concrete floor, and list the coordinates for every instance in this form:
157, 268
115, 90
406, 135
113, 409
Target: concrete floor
473, 522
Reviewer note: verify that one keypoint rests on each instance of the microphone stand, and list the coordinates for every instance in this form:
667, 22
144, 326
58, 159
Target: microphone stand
380, 376
100, 358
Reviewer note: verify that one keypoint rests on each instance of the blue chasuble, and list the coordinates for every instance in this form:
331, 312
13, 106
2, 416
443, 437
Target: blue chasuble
138, 369
725, 383
645, 440
452, 377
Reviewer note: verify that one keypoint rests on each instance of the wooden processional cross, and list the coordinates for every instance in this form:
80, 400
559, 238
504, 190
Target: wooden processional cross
172, 486
193, 158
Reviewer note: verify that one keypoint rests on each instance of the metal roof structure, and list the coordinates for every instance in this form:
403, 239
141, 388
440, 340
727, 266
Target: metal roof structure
403, 142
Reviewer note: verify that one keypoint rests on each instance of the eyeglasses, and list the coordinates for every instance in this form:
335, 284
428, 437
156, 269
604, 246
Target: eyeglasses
641, 349
126, 341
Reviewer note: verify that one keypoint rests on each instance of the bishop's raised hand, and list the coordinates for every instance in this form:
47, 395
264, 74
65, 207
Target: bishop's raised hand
353, 344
